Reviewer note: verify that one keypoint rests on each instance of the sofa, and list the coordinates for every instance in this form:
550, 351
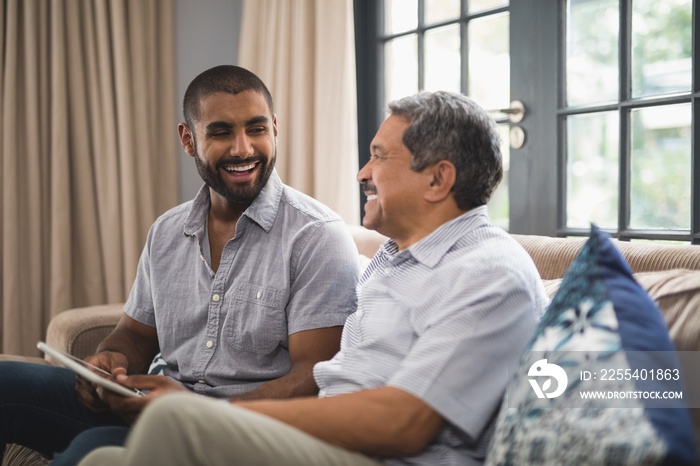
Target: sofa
670, 274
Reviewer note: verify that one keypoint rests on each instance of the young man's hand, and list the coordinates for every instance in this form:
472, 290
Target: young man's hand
129, 408
108, 361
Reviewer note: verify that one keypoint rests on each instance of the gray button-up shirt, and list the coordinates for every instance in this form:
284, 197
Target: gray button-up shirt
291, 266
442, 320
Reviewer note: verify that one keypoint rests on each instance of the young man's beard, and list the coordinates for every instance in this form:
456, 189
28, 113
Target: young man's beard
239, 195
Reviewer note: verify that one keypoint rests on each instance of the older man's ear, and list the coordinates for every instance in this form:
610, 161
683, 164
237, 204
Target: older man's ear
442, 177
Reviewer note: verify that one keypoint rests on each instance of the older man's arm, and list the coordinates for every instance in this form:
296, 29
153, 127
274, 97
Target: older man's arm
384, 421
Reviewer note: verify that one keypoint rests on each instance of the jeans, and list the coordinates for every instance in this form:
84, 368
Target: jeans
89, 440
40, 409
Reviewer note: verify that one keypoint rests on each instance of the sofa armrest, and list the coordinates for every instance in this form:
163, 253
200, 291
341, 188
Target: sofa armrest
79, 331
75, 331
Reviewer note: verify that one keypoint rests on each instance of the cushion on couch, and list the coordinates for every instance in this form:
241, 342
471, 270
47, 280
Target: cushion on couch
599, 319
677, 294
16, 455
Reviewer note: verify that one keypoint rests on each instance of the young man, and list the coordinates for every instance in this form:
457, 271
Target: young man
443, 308
242, 289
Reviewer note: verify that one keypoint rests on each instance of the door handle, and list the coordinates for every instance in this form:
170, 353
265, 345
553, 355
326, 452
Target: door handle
516, 111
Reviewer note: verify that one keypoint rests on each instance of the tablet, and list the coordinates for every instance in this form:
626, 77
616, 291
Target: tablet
87, 371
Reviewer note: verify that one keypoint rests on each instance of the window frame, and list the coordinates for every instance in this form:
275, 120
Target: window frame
625, 105
537, 178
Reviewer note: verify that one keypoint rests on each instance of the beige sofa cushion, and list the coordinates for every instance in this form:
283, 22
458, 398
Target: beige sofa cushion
677, 293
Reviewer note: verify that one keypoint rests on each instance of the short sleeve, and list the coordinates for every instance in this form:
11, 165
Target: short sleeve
139, 306
459, 365
324, 276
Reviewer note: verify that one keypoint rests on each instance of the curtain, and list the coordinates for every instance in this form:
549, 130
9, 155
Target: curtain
87, 153
304, 50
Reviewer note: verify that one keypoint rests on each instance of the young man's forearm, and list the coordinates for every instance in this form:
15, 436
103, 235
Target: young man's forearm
134, 340
299, 382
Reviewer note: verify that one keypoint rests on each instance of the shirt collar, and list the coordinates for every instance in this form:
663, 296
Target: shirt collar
262, 211
264, 208
431, 249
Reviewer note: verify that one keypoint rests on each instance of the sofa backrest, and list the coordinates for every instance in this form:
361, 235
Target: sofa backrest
553, 256
367, 241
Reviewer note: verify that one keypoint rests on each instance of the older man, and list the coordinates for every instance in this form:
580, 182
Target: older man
443, 308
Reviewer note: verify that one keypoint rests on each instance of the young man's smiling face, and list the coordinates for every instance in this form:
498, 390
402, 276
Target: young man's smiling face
234, 144
394, 191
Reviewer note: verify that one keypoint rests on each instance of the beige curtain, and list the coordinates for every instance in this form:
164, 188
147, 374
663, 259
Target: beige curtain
87, 153
304, 50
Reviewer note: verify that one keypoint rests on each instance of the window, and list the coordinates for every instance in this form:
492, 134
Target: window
446, 45
610, 98
626, 118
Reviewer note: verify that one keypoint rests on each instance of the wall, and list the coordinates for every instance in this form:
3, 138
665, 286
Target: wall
206, 35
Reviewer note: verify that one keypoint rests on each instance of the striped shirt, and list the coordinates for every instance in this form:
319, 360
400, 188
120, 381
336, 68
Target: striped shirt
442, 320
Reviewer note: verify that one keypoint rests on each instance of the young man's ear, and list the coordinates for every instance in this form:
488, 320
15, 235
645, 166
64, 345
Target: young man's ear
442, 178
186, 138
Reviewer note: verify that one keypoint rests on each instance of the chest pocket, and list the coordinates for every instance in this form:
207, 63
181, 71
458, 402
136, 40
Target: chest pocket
255, 319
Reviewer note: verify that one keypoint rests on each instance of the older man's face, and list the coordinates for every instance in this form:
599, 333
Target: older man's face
394, 191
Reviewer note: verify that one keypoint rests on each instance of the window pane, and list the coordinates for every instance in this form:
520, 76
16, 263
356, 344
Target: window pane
660, 168
442, 59
401, 68
498, 207
441, 10
661, 241
489, 61
661, 46
400, 15
592, 51
592, 170
481, 5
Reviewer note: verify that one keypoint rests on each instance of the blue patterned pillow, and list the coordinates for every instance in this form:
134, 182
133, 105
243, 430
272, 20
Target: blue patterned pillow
602, 336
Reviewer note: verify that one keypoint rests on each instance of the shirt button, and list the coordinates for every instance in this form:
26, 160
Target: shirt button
216, 298
210, 344
258, 295
201, 381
